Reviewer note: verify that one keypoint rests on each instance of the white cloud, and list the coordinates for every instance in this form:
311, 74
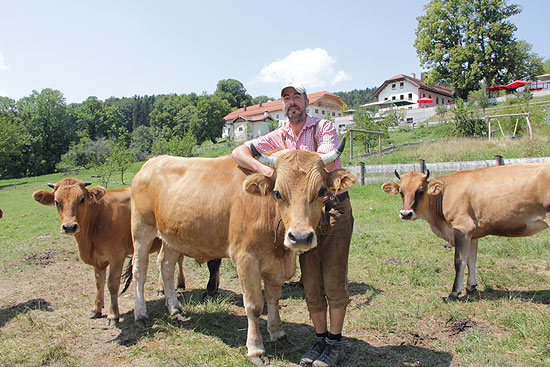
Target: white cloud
3, 65
312, 67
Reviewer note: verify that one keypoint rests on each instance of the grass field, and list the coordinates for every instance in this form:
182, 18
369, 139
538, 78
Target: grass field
399, 275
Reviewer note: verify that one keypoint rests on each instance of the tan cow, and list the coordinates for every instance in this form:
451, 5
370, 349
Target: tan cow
209, 208
461, 207
99, 219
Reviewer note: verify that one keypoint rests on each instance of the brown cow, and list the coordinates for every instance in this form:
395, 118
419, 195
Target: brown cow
461, 207
209, 208
99, 219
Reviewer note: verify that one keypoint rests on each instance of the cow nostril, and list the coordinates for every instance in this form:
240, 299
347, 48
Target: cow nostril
309, 239
291, 237
69, 228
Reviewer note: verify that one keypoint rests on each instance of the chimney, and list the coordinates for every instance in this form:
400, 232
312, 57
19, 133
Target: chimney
422, 76
260, 105
244, 108
413, 75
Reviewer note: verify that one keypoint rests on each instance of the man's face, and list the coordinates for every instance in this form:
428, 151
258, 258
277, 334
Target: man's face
294, 103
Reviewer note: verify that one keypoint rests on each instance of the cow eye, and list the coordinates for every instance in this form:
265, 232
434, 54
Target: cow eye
322, 192
57, 204
419, 192
277, 195
82, 200
401, 193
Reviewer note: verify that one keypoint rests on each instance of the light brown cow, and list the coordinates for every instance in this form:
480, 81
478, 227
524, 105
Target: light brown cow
209, 208
461, 207
99, 219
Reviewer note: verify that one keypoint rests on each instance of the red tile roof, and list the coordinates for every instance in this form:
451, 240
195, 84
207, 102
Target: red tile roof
272, 106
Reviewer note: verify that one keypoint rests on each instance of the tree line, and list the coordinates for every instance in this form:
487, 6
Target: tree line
41, 133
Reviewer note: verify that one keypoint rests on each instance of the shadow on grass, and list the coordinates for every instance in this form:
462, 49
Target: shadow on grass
6, 314
231, 329
296, 290
542, 296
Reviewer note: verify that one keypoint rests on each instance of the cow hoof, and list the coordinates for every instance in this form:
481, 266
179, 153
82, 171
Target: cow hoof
95, 315
113, 321
208, 296
141, 323
176, 311
181, 287
160, 293
259, 361
452, 297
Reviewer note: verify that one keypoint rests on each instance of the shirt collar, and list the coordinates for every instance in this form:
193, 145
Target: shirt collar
310, 121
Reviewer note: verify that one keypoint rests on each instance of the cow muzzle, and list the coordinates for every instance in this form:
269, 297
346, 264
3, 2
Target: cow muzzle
407, 214
300, 240
70, 228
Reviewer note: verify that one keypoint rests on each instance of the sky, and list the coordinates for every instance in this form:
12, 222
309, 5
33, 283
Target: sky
121, 48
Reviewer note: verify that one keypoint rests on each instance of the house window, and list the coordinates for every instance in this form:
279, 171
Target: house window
333, 114
339, 114
401, 97
437, 100
240, 128
401, 85
410, 96
386, 98
393, 86
277, 117
393, 98
323, 111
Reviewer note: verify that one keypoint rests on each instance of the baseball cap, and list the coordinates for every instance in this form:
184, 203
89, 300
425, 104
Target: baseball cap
297, 86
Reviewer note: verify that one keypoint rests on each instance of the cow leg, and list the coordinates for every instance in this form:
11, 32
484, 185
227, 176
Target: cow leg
143, 237
471, 284
167, 260
113, 283
462, 248
100, 276
214, 279
274, 323
181, 277
249, 275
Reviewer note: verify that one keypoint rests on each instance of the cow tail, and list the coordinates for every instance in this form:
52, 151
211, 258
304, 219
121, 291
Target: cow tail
127, 275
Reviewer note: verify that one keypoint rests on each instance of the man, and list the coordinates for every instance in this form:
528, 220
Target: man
324, 269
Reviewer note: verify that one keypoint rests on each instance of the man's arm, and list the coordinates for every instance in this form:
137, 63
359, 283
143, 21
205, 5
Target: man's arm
243, 156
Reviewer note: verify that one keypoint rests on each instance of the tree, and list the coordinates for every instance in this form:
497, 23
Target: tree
234, 92
12, 139
43, 118
464, 42
260, 99
546, 66
208, 122
364, 120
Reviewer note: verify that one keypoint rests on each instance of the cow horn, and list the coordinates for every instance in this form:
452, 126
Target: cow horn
51, 185
331, 156
427, 173
87, 183
397, 174
262, 158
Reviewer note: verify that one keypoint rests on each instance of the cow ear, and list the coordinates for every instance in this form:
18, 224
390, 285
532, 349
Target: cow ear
435, 187
96, 193
391, 187
43, 197
258, 184
340, 180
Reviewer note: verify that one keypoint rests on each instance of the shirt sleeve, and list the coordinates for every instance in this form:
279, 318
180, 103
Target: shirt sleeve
327, 137
267, 142
328, 140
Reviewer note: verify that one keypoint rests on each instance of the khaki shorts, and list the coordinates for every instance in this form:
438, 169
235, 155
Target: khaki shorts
325, 268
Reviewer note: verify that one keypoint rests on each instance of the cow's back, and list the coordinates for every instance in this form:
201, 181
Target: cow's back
199, 205
501, 200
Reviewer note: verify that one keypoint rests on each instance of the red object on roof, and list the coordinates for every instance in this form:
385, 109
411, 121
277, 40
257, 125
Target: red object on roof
496, 87
425, 100
517, 83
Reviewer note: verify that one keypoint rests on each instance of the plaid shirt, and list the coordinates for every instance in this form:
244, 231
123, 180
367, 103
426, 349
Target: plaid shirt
325, 135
